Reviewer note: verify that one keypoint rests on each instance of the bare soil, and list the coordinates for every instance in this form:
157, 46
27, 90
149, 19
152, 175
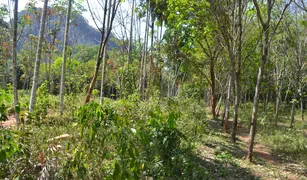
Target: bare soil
10, 122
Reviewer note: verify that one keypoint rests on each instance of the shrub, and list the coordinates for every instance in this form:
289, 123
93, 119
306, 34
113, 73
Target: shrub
5, 97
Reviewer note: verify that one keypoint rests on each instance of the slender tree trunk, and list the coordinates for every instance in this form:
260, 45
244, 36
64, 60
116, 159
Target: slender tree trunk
14, 78
236, 109
227, 104
295, 99
51, 89
265, 50
103, 74
279, 87
144, 56
169, 80
104, 61
237, 76
151, 59
99, 56
218, 106
278, 95
264, 55
103, 43
131, 34
7, 73
255, 111
265, 106
38, 57
213, 100
161, 62
302, 104
224, 111
292, 114
277, 105
62, 89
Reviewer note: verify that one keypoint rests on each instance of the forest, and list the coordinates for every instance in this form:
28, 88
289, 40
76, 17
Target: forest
153, 89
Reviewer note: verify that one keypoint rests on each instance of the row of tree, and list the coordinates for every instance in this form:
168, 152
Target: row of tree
224, 51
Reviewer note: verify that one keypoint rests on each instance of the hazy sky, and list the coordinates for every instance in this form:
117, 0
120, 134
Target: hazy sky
22, 4
93, 3
125, 8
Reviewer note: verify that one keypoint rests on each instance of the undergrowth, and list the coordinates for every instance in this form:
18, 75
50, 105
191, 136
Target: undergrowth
124, 139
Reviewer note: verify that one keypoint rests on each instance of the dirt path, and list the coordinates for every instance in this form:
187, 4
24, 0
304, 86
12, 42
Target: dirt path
263, 152
260, 151
10, 122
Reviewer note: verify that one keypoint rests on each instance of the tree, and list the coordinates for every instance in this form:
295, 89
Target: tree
105, 34
196, 31
38, 56
64, 57
5, 46
14, 58
265, 32
104, 60
143, 78
131, 33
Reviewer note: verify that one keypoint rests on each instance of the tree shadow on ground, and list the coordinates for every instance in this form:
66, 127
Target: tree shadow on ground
262, 155
199, 167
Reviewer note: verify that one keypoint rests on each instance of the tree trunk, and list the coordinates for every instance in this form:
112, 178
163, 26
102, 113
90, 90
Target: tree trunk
14, 78
62, 89
131, 34
302, 106
237, 76
265, 49
104, 61
38, 57
212, 100
224, 113
103, 74
278, 89
103, 43
227, 105
144, 56
151, 57
292, 114
264, 55
277, 106
218, 106
161, 63
253, 124
236, 109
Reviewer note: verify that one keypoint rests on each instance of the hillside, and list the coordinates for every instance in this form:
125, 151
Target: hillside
80, 30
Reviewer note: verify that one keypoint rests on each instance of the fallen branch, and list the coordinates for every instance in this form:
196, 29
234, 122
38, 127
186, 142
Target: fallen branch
61, 137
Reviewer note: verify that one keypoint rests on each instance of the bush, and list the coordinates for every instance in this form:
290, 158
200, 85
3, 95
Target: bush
5, 98
123, 139
131, 139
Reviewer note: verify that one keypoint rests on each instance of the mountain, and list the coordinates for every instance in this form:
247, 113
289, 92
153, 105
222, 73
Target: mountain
80, 30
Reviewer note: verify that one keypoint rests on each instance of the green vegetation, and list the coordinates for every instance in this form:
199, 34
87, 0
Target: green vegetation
131, 139
176, 89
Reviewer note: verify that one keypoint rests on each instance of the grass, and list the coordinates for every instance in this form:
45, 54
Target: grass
211, 155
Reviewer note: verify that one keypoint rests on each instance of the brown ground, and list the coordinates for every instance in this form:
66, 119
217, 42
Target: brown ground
265, 164
275, 163
10, 122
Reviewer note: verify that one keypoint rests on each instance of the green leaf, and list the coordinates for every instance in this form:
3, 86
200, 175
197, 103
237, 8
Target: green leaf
2, 156
116, 173
17, 108
133, 130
